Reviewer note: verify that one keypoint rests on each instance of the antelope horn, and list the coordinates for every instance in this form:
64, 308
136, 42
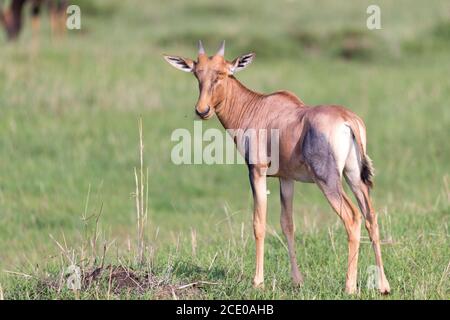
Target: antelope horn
201, 50
221, 51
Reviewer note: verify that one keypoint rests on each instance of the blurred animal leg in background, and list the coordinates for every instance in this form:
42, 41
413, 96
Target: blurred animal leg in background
11, 19
35, 18
58, 17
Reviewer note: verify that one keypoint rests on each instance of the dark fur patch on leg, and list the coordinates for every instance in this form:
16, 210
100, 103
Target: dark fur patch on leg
251, 176
319, 156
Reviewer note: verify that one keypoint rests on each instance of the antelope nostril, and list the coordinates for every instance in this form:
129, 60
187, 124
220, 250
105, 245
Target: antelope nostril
202, 114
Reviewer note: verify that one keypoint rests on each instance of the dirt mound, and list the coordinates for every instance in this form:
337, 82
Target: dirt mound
121, 279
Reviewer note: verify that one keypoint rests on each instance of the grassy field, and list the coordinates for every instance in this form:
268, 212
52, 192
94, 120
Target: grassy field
69, 111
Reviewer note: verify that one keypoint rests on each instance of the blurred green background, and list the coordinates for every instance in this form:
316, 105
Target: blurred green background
68, 123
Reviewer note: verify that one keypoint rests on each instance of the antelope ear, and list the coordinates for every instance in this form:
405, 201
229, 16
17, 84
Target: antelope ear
183, 64
241, 62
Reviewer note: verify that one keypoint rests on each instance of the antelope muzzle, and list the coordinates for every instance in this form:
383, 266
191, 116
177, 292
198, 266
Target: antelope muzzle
203, 114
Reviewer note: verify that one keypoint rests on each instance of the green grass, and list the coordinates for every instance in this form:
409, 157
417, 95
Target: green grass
68, 124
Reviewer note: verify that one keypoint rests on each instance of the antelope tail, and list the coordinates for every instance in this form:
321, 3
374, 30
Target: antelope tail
367, 169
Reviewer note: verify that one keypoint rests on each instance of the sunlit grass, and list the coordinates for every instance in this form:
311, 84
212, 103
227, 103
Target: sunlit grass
68, 124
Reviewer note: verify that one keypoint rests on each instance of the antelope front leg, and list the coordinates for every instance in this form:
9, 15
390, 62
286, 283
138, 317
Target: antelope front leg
259, 188
287, 225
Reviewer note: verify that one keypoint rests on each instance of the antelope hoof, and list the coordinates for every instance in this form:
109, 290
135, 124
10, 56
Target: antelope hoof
297, 279
258, 284
385, 289
385, 292
350, 290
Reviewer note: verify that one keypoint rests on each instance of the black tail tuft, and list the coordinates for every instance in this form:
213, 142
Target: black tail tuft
367, 171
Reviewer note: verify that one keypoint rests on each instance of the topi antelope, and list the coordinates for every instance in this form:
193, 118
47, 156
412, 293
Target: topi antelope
318, 144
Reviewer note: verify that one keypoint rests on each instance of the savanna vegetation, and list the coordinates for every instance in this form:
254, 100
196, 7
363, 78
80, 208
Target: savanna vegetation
69, 146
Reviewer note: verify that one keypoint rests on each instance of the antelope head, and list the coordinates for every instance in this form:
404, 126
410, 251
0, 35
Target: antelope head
212, 74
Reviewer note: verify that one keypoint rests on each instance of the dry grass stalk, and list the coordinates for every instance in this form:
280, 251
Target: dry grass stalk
141, 199
2, 297
194, 241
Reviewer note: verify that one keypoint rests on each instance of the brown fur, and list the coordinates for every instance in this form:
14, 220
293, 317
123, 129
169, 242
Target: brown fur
316, 144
